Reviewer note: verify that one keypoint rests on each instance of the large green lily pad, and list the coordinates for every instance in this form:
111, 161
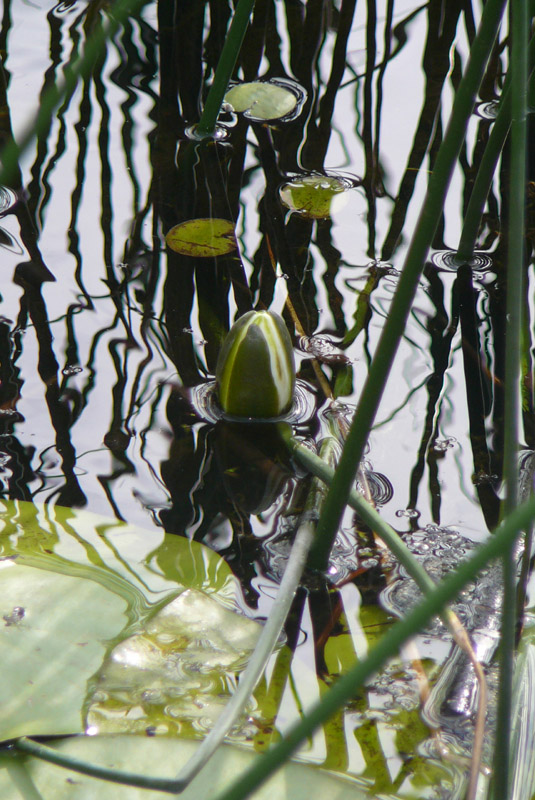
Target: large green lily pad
163, 757
177, 673
73, 585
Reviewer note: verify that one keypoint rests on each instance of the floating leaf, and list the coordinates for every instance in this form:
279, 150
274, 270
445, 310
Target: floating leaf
70, 583
31, 778
49, 654
177, 674
263, 100
315, 196
203, 237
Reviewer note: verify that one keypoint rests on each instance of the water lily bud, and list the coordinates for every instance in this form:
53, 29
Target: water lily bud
255, 370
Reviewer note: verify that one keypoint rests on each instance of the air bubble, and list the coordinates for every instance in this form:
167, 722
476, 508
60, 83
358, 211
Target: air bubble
71, 369
441, 445
220, 134
409, 513
488, 110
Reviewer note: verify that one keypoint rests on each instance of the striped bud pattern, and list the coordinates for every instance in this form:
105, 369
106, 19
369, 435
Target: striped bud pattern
255, 371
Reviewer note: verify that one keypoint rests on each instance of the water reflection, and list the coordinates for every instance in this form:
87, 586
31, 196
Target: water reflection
104, 333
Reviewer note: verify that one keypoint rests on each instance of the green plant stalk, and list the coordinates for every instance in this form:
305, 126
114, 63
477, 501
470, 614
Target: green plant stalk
52, 98
487, 167
225, 67
346, 687
514, 308
413, 567
395, 323
483, 180
248, 679
341, 692
268, 638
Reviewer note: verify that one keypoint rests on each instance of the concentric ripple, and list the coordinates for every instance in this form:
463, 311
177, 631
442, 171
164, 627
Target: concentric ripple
449, 260
203, 398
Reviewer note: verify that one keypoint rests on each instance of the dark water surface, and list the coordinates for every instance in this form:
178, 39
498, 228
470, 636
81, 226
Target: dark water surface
104, 332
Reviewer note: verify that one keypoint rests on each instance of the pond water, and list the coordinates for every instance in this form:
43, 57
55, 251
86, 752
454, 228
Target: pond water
108, 339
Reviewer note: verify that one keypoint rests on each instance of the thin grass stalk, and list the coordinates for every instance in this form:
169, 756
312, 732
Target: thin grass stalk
514, 309
483, 180
206, 126
248, 679
487, 168
397, 546
118, 13
395, 322
270, 632
346, 687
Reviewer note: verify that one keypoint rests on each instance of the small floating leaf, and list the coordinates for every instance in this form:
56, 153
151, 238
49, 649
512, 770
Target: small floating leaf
255, 370
262, 100
314, 196
203, 237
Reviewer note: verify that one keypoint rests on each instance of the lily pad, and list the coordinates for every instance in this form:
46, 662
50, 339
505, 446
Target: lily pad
72, 585
315, 196
262, 100
176, 675
202, 237
31, 778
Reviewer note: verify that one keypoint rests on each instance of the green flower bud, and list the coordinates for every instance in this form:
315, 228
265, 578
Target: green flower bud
255, 370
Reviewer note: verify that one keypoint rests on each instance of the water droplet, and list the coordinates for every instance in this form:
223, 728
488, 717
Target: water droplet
409, 513
488, 110
16, 615
441, 445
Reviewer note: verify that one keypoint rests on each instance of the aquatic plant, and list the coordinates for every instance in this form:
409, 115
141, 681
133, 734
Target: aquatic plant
195, 181
255, 371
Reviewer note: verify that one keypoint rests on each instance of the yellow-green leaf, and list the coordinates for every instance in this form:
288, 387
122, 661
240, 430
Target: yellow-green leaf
261, 100
203, 237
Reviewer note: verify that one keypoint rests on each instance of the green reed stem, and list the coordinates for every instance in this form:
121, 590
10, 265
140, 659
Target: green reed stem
248, 679
483, 180
432, 209
346, 687
117, 14
514, 309
225, 67
487, 167
317, 466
